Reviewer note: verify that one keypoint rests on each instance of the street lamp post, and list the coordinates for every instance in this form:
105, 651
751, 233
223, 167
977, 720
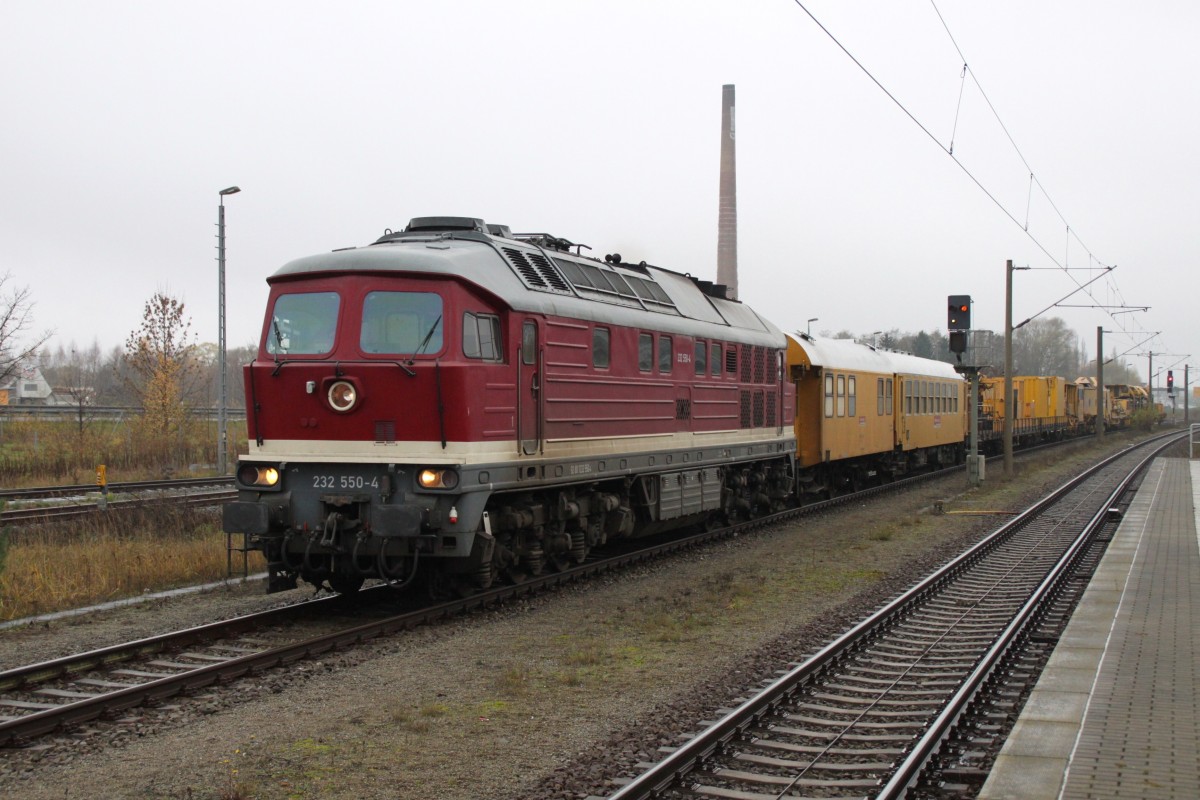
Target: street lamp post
222, 445
810, 322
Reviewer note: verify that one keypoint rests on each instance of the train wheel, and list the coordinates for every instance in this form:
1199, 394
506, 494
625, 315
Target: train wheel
557, 546
345, 584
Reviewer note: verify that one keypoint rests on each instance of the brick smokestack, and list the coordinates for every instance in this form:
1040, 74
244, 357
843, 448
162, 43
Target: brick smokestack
727, 218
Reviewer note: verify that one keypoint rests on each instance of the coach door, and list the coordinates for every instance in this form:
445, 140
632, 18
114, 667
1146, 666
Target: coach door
529, 390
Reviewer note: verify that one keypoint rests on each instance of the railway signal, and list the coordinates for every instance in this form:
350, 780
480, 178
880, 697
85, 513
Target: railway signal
958, 317
958, 322
1170, 382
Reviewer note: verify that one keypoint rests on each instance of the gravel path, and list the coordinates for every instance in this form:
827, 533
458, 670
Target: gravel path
551, 697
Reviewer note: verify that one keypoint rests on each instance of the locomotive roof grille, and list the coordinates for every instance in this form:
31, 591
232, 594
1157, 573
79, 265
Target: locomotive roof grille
598, 282
542, 272
535, 270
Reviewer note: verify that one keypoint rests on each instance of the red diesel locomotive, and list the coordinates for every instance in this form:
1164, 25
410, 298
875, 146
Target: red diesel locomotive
458, 404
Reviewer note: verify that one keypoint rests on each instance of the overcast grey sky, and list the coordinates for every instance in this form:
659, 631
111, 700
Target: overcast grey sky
600, 122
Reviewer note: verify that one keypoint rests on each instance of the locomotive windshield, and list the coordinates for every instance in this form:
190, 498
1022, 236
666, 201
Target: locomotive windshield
401, 323
303, 324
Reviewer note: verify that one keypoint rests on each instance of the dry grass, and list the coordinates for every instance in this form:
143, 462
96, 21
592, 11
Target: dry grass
112, 555
42, 452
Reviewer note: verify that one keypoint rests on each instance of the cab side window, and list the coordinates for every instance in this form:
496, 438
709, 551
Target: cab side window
600, 348
529, 343
481, 337
645, 352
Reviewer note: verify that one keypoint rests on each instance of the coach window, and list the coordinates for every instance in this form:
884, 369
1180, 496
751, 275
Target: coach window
303, 324
401, 323
600, 348
879, 397
829, 395
645, 352
852, 396
529, 343
715, 360
923, 397
481, 337
666, 354
908, 397
841, 395
701, 359
887, 398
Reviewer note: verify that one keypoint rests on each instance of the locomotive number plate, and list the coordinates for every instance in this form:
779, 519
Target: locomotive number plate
344, 482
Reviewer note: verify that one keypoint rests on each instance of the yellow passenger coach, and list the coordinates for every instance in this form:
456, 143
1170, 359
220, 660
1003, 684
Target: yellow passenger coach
866, 415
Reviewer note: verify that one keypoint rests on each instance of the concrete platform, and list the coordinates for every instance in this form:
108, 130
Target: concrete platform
1116, 713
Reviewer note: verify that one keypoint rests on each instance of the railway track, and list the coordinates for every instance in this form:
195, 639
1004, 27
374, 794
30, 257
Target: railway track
898, 706
39, 699
44, 492
43, 698
212, 491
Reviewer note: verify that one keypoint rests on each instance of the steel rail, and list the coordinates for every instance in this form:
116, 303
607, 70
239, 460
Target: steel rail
67, 666
48, 720
684, 759
909, 770
40, 492
47, 513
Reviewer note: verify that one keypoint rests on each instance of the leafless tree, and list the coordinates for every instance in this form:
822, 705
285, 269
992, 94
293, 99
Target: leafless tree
16, 320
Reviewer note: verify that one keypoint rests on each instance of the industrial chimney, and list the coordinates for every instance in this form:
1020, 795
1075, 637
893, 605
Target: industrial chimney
727, 218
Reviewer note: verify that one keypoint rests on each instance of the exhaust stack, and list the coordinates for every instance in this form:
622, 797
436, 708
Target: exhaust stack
727, 217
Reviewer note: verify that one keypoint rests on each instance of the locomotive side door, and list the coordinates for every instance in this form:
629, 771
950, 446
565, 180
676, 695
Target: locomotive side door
529, 390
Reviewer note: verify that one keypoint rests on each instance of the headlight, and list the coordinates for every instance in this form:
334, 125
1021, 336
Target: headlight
342, 396
258, 475
437, 479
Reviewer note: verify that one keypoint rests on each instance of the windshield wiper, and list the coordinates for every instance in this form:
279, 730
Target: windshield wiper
278, 345
428, 336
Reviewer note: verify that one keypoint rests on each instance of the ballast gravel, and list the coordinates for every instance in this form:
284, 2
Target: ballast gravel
554, 696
